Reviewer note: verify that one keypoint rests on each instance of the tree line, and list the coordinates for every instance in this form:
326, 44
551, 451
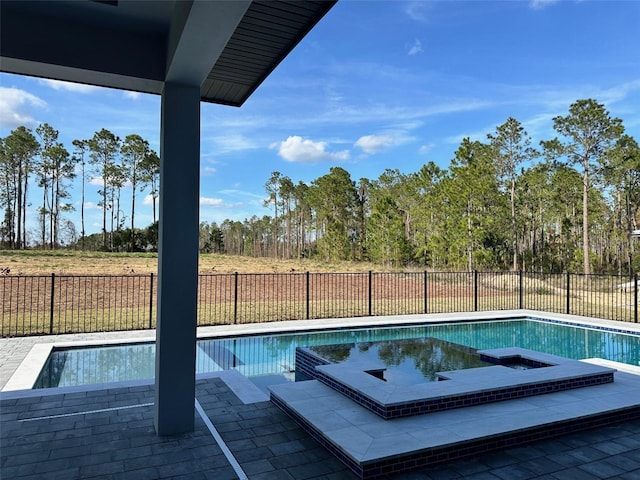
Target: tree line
26, 155
570, 204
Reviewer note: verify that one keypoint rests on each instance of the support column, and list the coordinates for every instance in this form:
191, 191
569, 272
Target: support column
177, 259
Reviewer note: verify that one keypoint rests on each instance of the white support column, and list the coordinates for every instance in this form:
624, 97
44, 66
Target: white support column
177, 259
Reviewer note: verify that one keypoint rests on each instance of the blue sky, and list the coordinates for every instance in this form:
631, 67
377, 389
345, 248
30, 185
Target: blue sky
376, 85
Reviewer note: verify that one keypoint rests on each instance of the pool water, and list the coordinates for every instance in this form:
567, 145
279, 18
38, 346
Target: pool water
271, 359
405, 362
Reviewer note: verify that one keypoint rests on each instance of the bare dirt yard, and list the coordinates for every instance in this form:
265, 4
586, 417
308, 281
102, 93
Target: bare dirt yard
64, 262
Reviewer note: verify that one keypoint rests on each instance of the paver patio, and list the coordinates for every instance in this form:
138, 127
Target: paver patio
109, 434
103, 432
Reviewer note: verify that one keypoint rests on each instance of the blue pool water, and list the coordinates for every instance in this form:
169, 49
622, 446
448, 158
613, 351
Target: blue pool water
271, 359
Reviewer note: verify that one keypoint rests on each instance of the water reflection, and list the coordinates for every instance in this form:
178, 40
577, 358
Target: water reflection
407, 362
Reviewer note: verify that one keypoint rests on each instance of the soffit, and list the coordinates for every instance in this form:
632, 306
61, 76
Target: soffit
228, 48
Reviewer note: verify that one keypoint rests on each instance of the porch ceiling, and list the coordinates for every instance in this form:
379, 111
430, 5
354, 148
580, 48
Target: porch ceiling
227, 48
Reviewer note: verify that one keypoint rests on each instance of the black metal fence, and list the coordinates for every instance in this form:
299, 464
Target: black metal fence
53, 304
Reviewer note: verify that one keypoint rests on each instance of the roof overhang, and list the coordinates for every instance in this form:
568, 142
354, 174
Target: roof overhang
226, 47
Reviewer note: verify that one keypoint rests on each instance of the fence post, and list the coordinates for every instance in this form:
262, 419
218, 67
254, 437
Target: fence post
635, 295
568, 293
235, 298
307, 275
475, 290
53, 290
521, 292
426, 305
370, 281
151, 301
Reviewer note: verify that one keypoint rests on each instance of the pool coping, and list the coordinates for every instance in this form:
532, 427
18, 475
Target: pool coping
373, 447
462, 388
33, 348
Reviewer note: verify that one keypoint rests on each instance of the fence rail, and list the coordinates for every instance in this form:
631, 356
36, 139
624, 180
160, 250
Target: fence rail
54, 304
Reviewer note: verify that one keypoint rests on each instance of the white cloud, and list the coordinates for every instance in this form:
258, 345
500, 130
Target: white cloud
424, 149
210, 202
92, 206
540, 4
415, 48
14, 106
207, 171
96, 181
148, 200
132, 95
416, 10
69, 86
295, 149
371, 144
240, 193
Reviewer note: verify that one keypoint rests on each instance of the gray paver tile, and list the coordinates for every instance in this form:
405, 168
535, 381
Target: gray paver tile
574, 473
267, 440
631, 475
602, 469
441, 472
513, 472
288, 461
541, 465
226, 473
256, 467
343, 475
611, 447
481, 476
102, 469
27, 458
256, 422
239, 434
469, 467
628, 441
18, 470
273, 428
66, 452
65, 474
499, 459
526, 452
565, 460
223, 427
119, 452
251, 454
273, 475
150, 473
281, 449
240, 445
174, 469
628, 463
310, 470
587, 454
142, 462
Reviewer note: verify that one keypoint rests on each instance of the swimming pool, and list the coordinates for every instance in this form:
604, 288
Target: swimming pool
271, 359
